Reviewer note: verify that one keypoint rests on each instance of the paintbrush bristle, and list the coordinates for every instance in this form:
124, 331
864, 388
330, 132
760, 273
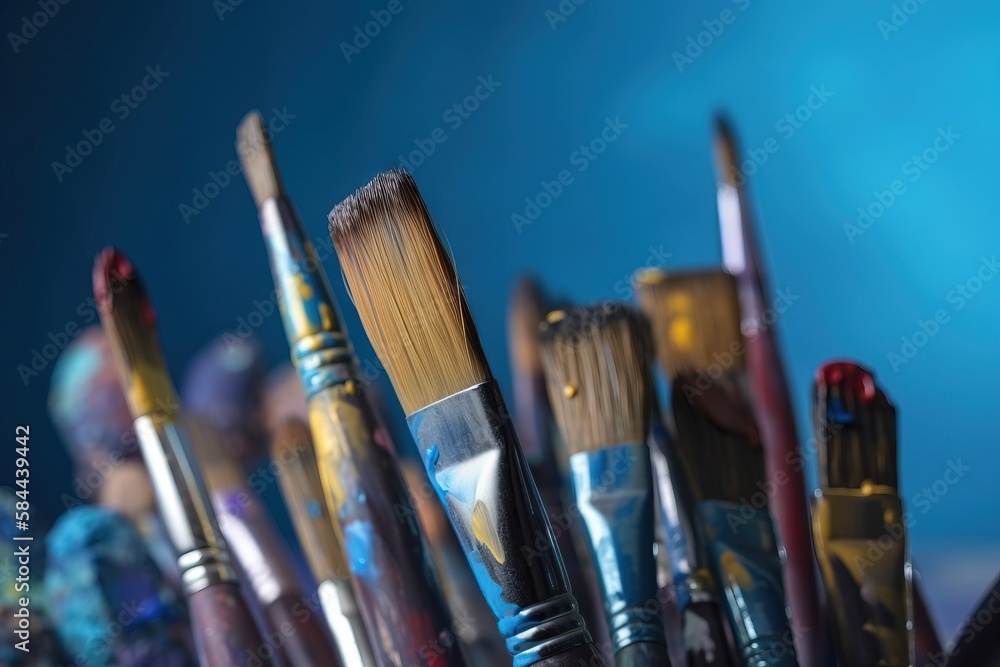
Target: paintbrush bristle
259, 167
407, 293
695, 318
717, 440
129, 322
727, 163
525, 312
855, 428
596, 362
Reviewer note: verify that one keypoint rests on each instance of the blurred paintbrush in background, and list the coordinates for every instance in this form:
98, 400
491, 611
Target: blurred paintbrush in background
109, 601
264, 560
687, 338
224, 385
90, 411
292, 449
719, 447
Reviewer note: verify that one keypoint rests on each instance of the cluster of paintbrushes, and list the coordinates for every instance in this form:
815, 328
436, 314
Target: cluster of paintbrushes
681, 537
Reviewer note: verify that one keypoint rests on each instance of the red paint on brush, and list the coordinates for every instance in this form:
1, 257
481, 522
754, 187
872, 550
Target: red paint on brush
113, 272
856, 377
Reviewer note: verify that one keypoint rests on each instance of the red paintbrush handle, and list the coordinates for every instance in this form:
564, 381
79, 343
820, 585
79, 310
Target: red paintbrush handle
224, 632
788, 504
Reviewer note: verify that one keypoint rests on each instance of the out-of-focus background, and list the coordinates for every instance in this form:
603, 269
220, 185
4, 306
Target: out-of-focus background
869, 129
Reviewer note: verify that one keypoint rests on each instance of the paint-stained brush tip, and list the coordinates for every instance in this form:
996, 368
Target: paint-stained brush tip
254, 149
129, 321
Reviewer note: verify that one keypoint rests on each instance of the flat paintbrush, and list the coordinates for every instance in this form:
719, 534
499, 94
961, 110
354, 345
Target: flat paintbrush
771, 395
223, 629
264, 561
695, 323
407, 293
596, 363
719, 447
395, 582
540, 441
292, 450
859, 506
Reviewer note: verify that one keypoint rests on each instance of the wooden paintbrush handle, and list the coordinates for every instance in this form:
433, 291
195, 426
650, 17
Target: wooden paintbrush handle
224, 632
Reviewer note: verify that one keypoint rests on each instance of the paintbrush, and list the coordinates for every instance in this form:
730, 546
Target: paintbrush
543, 448
395, 582
596, 363
771, 394
224, 384
88, 407
223, 629
695, 323
264, 560
858, 506
719, 447
109, 601
410, 302
292, 450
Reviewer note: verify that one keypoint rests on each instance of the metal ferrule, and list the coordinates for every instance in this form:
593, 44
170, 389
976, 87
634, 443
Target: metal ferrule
336, 598
614, 491
320, 349
674, 505
744, 557
476, 466
861, 547
202, 555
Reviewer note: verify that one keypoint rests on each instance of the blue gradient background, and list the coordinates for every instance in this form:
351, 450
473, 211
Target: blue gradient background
652, 189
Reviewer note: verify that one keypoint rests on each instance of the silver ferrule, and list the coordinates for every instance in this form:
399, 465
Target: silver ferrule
614, 491
202, 555
476, 466
320, 349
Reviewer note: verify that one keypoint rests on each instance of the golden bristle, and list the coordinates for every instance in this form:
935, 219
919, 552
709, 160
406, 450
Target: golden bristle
254, 150
406, 291
596, 362
695, 319
525, 313
129, 322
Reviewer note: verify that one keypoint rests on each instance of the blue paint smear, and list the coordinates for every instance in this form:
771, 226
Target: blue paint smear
359, 541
